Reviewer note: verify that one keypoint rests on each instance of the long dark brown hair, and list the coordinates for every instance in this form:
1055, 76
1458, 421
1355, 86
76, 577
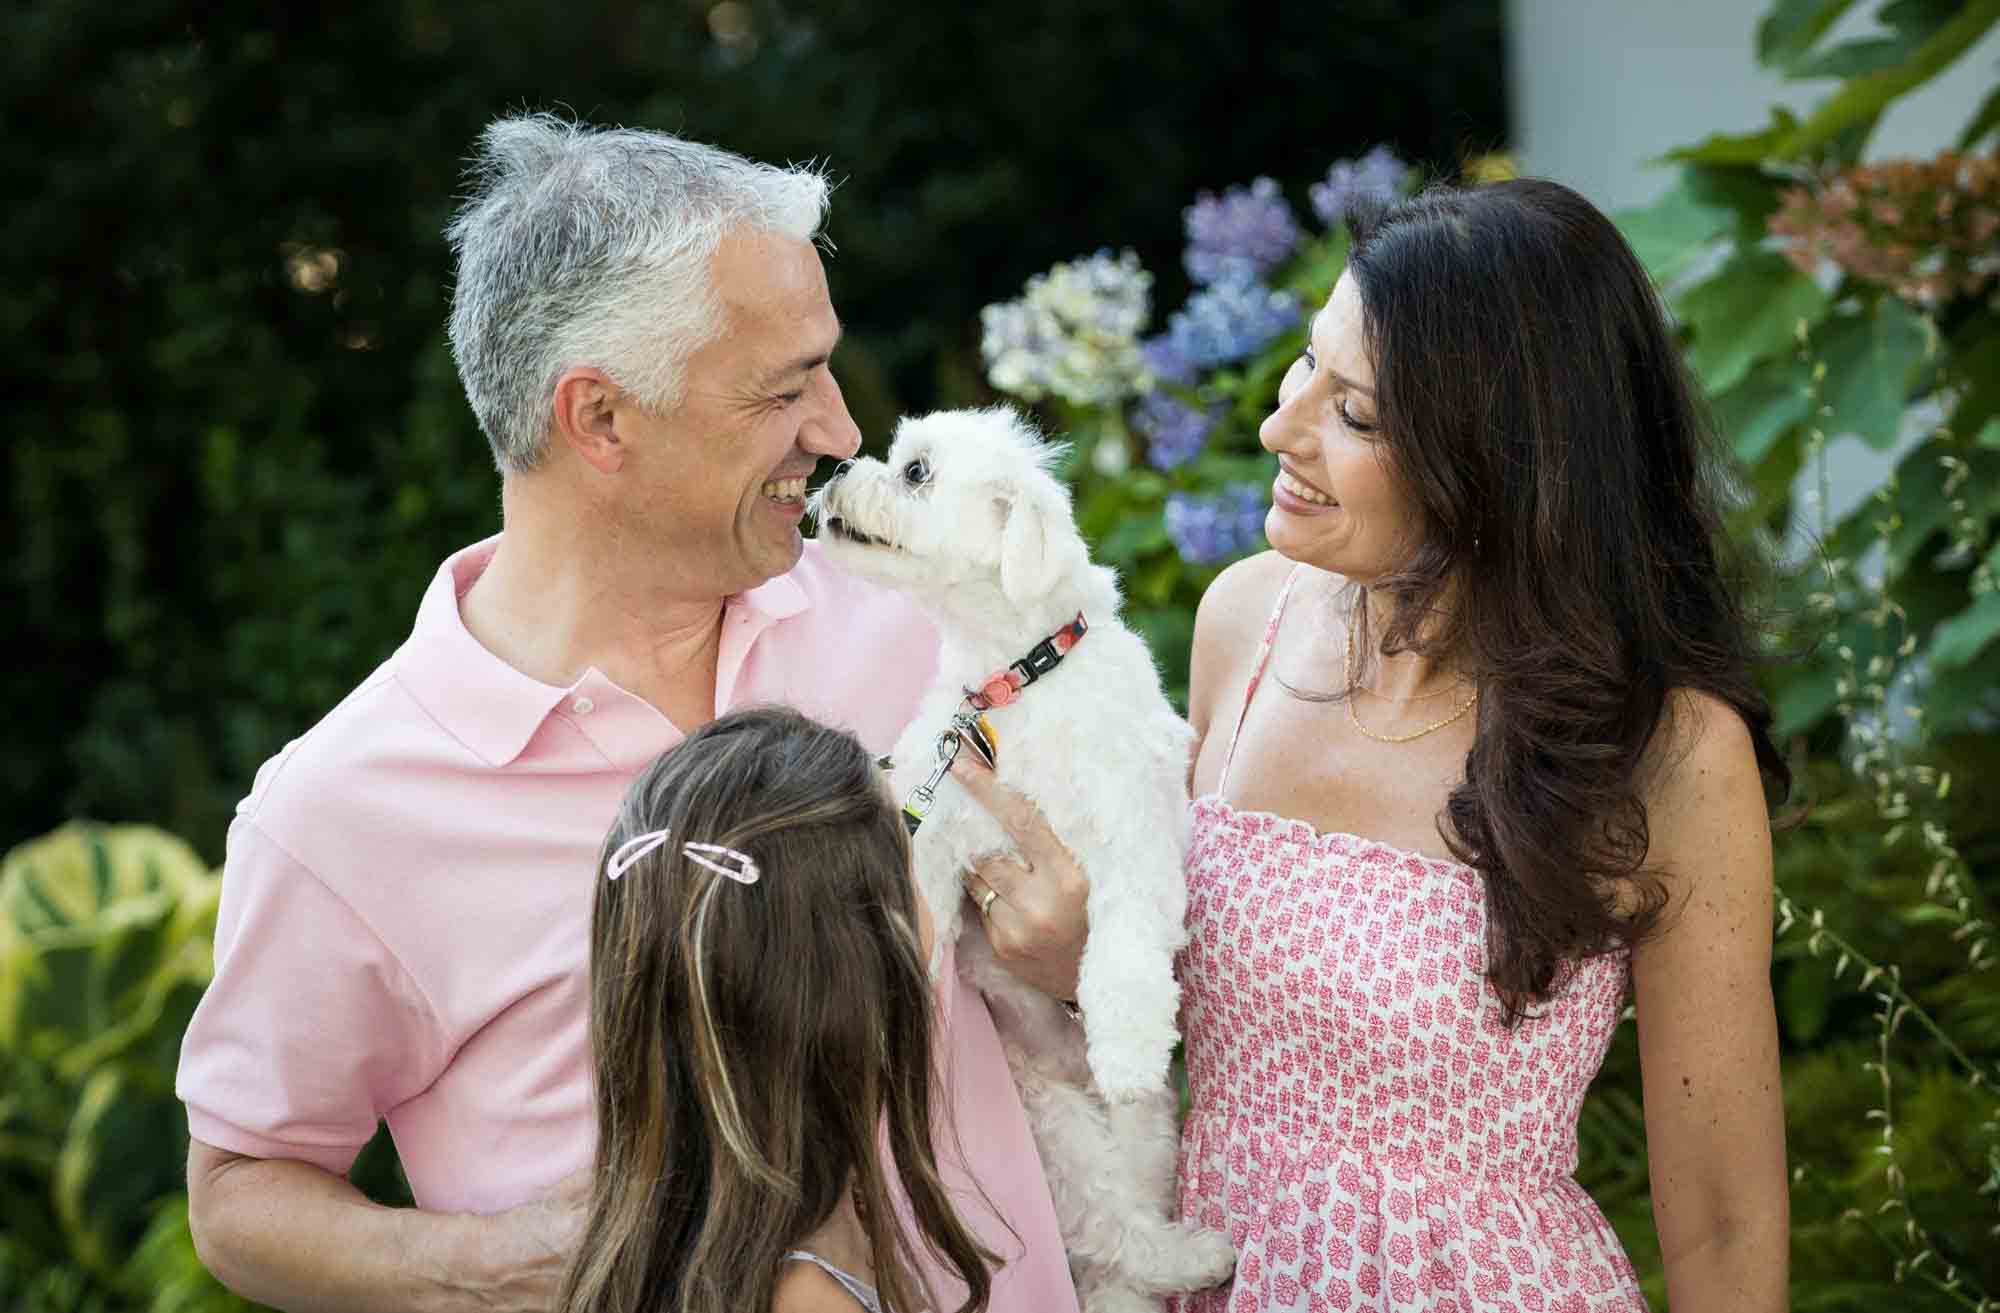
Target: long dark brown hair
751, 1043
1571, 553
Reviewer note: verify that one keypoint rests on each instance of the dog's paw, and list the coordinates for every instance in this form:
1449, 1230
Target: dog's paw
1183, 1258
1114, 1297
1211, 1258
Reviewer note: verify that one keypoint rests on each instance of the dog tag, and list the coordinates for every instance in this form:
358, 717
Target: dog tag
979, 735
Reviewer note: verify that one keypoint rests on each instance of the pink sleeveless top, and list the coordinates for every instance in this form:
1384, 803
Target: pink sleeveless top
1364, 1127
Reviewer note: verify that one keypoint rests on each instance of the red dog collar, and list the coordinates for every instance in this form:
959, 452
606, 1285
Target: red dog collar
1003, 686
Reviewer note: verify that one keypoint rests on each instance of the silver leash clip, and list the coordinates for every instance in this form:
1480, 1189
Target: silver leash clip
924, 795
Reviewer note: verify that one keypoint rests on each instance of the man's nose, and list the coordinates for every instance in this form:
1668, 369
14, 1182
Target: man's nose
832, 432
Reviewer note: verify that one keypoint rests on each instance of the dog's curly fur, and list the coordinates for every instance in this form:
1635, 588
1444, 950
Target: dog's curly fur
966, 518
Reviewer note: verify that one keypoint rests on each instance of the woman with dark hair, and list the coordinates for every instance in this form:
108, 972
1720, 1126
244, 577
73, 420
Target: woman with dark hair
1481, 754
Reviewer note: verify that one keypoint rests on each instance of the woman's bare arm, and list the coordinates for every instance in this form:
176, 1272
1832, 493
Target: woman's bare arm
1708, 1035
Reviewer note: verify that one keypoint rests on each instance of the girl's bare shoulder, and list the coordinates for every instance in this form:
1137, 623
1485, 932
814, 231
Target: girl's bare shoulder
805, 1288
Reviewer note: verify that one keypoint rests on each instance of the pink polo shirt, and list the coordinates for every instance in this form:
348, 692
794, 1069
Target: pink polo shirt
405, 920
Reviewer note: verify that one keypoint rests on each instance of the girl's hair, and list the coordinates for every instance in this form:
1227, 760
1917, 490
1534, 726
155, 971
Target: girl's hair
1531, 398
751, 1043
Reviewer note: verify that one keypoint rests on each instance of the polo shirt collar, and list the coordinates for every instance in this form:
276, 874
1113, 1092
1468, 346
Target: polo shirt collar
780, 598
494, 709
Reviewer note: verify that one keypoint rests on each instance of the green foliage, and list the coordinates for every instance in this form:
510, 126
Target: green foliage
1887, 1005
104, 950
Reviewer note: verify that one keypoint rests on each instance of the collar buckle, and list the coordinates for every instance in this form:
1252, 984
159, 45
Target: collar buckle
1041, 659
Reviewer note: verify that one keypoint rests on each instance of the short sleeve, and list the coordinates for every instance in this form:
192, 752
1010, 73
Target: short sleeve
311, 1030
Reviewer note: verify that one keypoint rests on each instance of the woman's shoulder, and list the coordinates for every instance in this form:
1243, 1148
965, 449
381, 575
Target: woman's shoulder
1228, 626
1700, 740
1704, 791
1237, 604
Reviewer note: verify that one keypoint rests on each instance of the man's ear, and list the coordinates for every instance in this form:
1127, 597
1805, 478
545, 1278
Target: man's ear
1037, 544
586, 408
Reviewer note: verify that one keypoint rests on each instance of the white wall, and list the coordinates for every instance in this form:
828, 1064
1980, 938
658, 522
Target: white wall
1600, 86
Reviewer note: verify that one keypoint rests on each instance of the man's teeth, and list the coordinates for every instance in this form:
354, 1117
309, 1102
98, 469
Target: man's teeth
785, 489
1302, 491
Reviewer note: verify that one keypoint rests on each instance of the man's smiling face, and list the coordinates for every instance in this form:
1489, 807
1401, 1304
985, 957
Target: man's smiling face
722, 477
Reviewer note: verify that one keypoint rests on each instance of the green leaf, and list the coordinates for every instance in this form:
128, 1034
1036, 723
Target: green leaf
1668, 234
1976, 364
1772, 482
1805, 694
1911, 23
1984, 120
1872, 361
1967, 696
1865, 97
1750, 192
1852, 57
1806, 1000
1741, 148
1766, 404
1788, 32
1926, 511
1137, 534
1989, 437
1748, 310
1958, 640
122, 1155
1316, 269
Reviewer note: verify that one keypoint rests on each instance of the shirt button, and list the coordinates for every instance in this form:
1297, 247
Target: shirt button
582, 706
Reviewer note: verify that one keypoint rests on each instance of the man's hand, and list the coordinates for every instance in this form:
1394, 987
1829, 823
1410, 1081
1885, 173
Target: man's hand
1036, 908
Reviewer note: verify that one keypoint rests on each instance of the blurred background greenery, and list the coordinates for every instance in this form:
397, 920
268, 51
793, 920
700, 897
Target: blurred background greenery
240, 451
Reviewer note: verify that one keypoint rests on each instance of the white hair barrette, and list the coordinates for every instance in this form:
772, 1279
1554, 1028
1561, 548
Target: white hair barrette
722, 860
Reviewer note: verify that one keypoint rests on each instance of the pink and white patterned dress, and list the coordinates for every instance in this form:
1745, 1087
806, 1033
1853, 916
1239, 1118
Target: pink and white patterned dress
1363, 1125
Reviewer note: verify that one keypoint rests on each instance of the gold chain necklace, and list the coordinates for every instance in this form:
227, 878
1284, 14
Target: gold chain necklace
1355, 717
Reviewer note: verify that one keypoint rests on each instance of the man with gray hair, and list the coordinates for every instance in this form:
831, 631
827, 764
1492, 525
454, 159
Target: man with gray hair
643, 330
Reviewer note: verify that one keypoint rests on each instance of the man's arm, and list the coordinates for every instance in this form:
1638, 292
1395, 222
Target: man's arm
297, 1238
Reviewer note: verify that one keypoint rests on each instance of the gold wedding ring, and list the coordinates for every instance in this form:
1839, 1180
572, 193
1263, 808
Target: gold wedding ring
986, 901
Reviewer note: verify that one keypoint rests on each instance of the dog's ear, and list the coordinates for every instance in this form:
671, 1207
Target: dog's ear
1038, 545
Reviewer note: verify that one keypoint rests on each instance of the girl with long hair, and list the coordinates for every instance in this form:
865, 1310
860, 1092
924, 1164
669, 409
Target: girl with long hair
760, 1029
1481, 759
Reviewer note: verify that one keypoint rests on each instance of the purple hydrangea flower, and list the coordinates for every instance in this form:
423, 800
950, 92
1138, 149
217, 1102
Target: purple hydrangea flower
1210, 529
1175, 430
1239, 236
1165, 360
1226, 322
1378, 174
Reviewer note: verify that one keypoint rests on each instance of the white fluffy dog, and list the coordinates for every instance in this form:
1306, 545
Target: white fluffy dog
966, 518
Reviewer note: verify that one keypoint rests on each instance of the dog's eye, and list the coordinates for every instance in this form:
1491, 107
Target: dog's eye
917, 473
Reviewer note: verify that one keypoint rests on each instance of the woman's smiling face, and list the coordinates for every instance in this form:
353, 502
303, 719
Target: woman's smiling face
1336, 503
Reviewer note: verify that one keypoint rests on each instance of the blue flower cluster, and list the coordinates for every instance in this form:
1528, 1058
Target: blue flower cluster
1377, 175
1239, 236
1219, 325
1209, 529
1163, 359
1174, 430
